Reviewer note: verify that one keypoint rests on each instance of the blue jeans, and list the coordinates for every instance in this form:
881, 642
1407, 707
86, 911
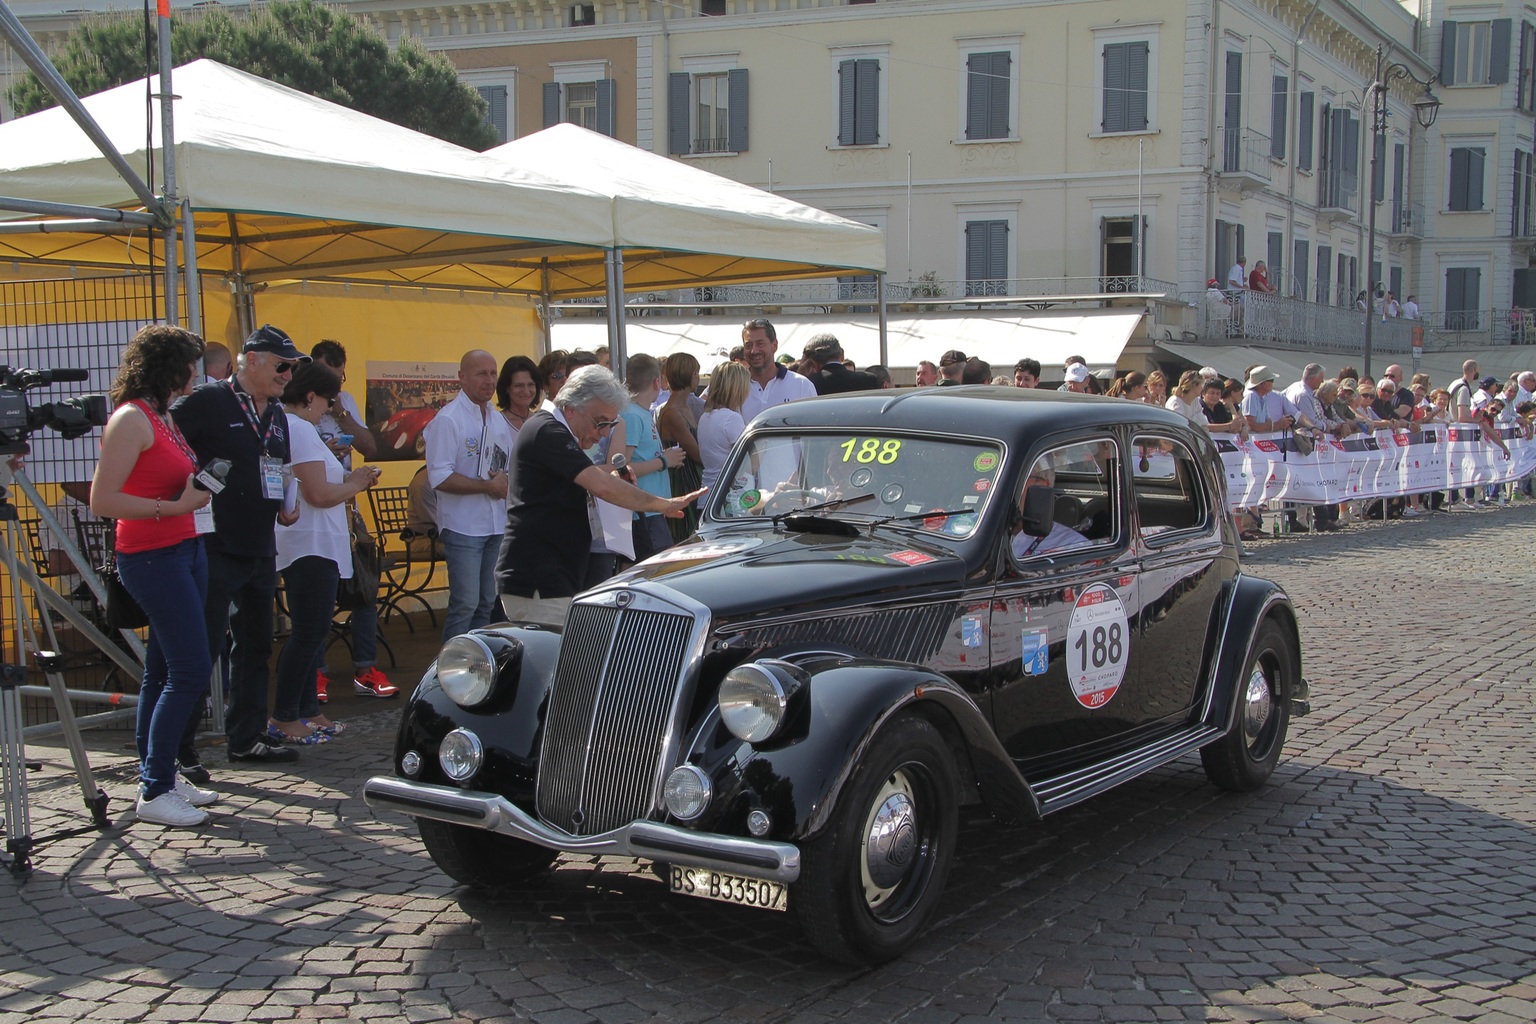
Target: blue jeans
471, 581
309, 583
250, 585
363, 628
171, 585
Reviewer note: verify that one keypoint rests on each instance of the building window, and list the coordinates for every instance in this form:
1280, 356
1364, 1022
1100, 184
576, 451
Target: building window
1125, 95
858, 102
1467, 178
986, 257
1339, 168
1475, 52
712, 8
1120, 254
1324, 274
1275, 258
1300, 268
707, 112
495, 86
590, 104
1279, 96
1522, 225
578, 15
988, 87
1304, 130
1463, 288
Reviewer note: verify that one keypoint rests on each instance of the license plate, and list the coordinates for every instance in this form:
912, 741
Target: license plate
738, 889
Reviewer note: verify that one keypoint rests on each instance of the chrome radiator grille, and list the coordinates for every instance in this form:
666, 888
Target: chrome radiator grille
615, 696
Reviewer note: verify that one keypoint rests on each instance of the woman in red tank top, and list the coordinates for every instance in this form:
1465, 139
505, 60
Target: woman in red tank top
144, 481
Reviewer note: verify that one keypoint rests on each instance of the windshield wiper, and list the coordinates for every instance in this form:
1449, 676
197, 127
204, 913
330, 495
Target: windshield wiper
819, 506
937, 514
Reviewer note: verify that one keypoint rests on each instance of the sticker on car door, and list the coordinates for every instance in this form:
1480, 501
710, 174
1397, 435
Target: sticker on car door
1098, 645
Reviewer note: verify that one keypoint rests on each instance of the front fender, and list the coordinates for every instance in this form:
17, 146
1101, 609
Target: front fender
509, 723
798, 778
1253, 601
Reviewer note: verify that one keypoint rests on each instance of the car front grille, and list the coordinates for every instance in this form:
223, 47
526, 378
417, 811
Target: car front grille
614, 700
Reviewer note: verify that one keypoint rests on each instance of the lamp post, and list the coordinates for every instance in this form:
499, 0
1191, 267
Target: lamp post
1425, 108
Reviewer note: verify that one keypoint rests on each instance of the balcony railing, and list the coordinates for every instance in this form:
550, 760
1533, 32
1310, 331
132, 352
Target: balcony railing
1295, 323
1245, 152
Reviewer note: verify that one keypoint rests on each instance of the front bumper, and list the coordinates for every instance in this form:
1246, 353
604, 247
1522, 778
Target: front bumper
756, 858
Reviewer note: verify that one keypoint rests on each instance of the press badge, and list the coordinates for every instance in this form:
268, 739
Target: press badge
272, 478
202, 519
1037, 652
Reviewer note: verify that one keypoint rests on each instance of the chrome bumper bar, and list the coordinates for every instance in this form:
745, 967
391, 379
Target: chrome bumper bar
756, 858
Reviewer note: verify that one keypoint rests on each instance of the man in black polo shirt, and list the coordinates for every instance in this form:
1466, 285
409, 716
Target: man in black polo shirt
241, 419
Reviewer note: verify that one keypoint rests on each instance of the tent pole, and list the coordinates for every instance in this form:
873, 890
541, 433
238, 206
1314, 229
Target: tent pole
194, 283
885, 348
34, 58
245, 319
614, 265
106, 215
168, 174
546, 314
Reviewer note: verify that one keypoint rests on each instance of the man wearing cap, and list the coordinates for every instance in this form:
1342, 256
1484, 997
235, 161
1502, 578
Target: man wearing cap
951, 366
832, 377
1267, 411
1077, 376
241, 419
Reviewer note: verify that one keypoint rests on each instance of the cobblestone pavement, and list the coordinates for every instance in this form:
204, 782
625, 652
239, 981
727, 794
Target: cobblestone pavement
1386, 875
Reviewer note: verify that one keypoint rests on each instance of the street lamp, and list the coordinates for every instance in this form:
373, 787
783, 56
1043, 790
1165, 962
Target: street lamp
1425, 108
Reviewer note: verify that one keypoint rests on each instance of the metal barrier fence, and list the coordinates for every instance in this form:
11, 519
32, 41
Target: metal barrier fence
1275, 320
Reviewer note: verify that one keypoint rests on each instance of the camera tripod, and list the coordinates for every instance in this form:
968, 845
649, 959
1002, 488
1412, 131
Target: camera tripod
19, 841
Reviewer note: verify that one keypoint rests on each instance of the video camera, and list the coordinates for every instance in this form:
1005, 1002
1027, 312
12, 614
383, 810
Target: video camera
72, 418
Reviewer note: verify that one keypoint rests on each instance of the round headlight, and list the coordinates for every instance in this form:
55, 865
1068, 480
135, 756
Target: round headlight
752, 703
466, 670
460, 754
686, 792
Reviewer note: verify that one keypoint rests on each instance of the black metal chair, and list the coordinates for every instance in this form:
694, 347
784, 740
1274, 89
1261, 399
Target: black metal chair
410, 563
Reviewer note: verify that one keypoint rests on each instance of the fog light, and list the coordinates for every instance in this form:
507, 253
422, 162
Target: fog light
758, 822
686, 793
410, 764
460, 754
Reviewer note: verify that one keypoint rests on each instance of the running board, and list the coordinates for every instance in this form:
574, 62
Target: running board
1062, 791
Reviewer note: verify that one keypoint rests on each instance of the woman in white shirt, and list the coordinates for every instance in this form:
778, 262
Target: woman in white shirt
313, 554
1185, 399
722, 422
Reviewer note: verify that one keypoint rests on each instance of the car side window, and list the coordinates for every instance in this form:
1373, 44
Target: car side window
1081, 476
1166, 487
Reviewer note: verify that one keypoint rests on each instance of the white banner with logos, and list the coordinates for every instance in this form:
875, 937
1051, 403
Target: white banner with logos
1385, 463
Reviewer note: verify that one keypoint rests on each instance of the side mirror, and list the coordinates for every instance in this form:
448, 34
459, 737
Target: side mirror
1038, 511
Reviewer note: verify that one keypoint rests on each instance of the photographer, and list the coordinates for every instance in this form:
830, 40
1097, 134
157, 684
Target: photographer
144, 481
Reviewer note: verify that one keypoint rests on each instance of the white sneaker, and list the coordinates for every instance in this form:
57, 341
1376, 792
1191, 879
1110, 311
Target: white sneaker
1411, 513
193, 795
170, 808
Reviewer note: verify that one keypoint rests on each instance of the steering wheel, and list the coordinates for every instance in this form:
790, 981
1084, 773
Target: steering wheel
783, 501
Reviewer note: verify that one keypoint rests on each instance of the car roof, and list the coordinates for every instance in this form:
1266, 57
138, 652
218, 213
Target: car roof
982, 410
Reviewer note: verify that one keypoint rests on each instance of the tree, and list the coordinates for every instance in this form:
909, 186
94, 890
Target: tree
297, 43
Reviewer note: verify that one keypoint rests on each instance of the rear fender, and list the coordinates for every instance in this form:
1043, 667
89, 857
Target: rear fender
1252, 602
799, 776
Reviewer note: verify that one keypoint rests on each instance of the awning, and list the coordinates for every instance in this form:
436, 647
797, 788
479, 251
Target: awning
1099, 337
1444, 368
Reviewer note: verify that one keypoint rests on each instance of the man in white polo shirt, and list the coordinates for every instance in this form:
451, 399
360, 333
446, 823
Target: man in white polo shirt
469, 445
771, 385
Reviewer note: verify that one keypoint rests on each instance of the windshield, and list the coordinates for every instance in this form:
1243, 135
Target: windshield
864, 476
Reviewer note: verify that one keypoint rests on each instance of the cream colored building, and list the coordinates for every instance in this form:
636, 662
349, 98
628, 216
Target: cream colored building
1066, 147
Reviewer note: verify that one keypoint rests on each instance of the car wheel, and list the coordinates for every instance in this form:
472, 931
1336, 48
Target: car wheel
484, 860
871, 881
1244, 758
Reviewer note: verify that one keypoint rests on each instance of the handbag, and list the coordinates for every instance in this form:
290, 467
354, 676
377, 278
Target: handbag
1303, 441
122, 611
362, 588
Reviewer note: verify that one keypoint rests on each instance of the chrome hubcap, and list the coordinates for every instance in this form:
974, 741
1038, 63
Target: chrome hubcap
1258, 705
890, 839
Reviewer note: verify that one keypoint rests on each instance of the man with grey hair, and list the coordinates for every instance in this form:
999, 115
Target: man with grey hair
1313, 414
551, 518
829, 376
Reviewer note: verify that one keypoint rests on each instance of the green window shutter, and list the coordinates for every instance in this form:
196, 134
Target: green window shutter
1498, 52
736, 95
1379, 169
1136, 71
1115, 61
1277, 112
986, 255
495, 97
1299, 270
1448, 52
552, 113
986, 97
607, 104
845, 102
1476, 156
867, 112
1304, 129
678, 142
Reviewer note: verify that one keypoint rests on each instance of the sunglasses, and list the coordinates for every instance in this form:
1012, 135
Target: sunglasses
283, 367
605, 424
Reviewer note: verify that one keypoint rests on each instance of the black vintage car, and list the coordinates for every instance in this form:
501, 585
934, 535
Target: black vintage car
898, 602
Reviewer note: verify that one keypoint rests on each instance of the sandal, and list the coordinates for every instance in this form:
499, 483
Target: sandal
276, 735
332, 730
